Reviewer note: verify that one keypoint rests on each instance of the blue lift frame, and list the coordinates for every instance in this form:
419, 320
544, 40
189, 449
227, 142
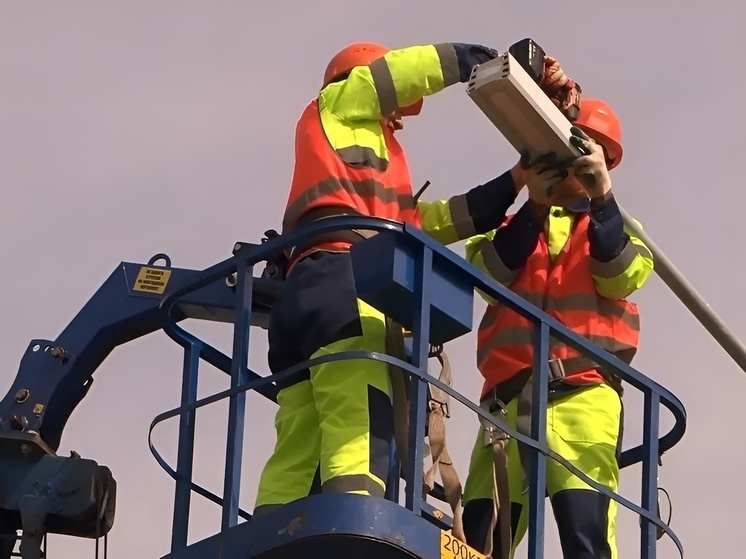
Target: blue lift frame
401, 271
417, 278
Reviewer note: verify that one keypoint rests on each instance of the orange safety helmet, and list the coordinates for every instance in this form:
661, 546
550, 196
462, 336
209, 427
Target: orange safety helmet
360, 54
601, 123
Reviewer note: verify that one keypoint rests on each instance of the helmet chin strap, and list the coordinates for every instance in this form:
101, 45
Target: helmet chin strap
580, 204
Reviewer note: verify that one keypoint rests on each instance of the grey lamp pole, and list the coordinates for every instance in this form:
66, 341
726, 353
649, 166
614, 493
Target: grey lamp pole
689, 296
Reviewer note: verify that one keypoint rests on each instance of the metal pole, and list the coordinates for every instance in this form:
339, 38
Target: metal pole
689, 296
538, 466
418, 389
649, 496
237, 404
185, 448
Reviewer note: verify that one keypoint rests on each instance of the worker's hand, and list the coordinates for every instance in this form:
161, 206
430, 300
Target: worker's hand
540, 175
563, 92
469, 56
590, 168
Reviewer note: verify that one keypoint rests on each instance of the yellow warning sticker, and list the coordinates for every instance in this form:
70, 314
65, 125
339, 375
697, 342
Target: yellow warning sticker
152, 280
452, 548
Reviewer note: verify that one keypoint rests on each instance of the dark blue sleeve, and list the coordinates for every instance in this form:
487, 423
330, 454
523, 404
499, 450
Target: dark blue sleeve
606, 233
489, 202
469, 55
516, 241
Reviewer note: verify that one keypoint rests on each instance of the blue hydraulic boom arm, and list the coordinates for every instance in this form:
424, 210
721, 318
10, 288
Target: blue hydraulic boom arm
55, 375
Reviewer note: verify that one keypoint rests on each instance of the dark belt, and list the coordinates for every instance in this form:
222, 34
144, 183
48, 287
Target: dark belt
558, 370
351, 236
561, 368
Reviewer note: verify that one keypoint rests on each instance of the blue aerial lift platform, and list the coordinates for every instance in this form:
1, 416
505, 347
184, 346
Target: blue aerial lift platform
409, 277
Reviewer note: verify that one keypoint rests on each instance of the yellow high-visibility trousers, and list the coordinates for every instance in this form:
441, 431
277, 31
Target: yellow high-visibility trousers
335, 427
583, 427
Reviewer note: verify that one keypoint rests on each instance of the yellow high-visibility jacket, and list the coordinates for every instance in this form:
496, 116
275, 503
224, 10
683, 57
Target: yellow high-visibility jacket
362, 156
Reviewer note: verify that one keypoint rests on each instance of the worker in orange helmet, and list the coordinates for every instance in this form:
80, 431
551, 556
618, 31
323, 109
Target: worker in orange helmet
334, 424
567, 251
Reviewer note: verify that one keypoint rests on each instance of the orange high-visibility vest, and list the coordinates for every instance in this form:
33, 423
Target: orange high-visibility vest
565, 290
352, 178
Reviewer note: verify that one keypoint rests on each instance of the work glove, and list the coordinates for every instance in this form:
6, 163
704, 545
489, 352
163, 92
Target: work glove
590, 168
563, 92
469, 56
540, 174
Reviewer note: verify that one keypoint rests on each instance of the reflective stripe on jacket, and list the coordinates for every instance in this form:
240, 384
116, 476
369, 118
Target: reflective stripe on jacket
564, 288
372, 186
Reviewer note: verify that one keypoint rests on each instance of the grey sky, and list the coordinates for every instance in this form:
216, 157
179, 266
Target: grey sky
131, 128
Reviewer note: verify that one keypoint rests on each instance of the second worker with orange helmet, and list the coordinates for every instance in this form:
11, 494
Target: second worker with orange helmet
567, 251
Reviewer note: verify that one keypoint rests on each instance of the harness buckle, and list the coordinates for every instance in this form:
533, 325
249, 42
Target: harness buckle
433, 404
492, 434
556, 369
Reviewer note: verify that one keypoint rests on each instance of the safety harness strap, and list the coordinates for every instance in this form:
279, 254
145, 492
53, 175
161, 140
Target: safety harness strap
501, 509
436, 432
438, 412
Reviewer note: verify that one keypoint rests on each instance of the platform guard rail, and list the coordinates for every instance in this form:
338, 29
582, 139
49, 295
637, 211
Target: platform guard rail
429, 288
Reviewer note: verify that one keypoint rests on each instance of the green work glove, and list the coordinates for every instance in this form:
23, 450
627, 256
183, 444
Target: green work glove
540, 174
590, 168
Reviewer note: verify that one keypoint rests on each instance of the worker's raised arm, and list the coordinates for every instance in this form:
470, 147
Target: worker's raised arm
401, 78
479, 210
476, 249
503, 253
620, 261
495, 253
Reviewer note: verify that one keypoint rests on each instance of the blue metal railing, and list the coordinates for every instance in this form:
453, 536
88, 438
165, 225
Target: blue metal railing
425, 254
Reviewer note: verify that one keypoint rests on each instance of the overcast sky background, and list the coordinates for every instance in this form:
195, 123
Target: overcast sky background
132, 128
